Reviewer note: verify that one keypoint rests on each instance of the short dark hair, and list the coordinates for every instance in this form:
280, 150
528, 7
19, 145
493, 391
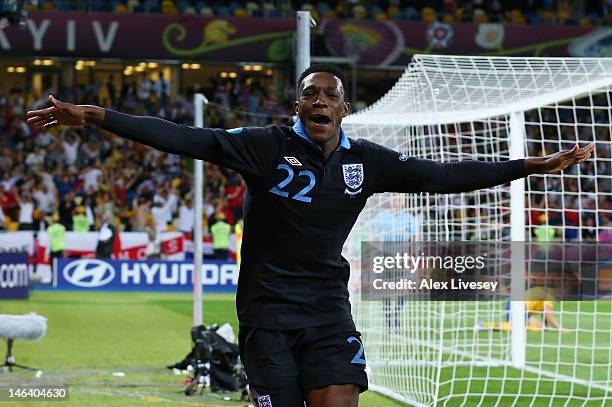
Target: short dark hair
329, 68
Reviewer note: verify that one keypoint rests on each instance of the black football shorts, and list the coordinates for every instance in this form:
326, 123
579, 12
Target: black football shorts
283, 366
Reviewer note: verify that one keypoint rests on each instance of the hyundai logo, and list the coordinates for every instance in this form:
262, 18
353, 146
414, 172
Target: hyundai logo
89, 273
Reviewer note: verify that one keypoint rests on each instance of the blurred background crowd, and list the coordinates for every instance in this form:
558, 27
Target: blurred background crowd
580, 202
86, 176
86, 171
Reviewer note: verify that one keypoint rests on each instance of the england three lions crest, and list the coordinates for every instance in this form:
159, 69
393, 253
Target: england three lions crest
353, 178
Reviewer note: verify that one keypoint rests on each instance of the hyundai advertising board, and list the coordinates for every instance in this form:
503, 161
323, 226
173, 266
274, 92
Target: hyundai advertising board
146, 275
14, 275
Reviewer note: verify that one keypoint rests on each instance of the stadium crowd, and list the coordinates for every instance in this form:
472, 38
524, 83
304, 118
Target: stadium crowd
85, 173
581, 205
81, 174
554, 12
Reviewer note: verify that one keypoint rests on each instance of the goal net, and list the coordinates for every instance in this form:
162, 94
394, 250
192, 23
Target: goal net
453, 108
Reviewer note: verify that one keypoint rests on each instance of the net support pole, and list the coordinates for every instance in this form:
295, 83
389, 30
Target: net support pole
302, 57
518, 335
199, 103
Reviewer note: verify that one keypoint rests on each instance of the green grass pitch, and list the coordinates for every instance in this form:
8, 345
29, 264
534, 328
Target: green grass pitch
571, 354
550, 351
92, 335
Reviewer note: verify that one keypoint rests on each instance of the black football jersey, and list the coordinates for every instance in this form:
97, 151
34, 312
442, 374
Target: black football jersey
300, 207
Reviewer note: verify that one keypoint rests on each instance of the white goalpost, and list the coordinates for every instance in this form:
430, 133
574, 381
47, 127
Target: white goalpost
453, 108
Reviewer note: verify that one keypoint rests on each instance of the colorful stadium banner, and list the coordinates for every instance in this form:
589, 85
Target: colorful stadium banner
231, 39
132, 246
14, 275
147, 275
153, 36
393, 43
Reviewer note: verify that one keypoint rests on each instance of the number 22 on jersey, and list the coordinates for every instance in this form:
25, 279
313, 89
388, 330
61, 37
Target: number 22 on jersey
301, 195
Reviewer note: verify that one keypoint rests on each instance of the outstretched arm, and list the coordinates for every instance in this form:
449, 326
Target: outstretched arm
248, 153
152, 131
471, 175
464, 176
395, 172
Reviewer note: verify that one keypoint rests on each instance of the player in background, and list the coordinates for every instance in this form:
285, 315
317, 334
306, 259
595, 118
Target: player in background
306, 185
539, 305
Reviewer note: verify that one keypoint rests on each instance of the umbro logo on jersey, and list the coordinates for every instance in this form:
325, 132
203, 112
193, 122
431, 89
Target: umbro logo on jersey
293, 161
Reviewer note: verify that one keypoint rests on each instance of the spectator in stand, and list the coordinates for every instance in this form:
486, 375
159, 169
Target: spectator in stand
221, 232
106, 238
163, 205
66, 209
16, 101
87, 203
145, 88
129, 100
91, 178
9, 203
544, 232
90, 151
153, 249
18, 132
65, 182
57, 237
589, 231
7, 182
44, 138
238, 229
80, 222
35, 158
215, 181
208, 210
105, 204
223, 207
186, 216
45, 199
26, 211
110, 89
71, 148
55, 157
158, 212
162, 89
234, 194
6, 160
142, 208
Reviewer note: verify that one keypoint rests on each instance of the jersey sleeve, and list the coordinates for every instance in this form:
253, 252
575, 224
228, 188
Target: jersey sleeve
245, 150
390, 171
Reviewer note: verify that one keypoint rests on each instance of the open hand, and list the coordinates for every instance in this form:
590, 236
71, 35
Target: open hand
61, 113
559, 161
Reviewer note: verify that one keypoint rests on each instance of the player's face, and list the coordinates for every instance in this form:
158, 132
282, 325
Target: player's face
321, 107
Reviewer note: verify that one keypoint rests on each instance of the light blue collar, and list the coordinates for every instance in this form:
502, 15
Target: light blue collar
299, 129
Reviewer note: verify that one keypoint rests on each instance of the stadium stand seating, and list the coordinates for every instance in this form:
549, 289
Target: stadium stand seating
554, 12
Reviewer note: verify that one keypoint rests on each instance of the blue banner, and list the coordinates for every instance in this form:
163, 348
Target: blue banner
14, 275
145, 275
